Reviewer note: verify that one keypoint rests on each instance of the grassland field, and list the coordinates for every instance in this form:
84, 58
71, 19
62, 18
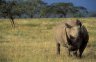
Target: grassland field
32, 41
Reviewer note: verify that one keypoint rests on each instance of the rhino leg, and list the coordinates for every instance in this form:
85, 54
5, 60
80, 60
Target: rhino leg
75, 53
81, 49
58, 48
69, 52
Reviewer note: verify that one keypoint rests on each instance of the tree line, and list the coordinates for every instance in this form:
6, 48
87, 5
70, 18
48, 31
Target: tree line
38, 8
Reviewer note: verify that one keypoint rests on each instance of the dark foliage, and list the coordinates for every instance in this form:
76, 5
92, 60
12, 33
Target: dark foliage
37, 8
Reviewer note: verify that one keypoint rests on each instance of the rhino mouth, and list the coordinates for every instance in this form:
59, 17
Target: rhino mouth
72, 48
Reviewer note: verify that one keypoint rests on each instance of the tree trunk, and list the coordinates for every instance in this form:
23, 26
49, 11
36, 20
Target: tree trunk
12, 22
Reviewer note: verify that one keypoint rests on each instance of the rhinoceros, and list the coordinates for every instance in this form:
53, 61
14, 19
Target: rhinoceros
73, 35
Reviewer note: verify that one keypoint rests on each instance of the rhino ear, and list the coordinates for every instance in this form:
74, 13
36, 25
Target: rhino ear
68, 26
79, 22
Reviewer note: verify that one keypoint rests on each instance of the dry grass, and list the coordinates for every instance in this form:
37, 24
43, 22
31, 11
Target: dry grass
32, 41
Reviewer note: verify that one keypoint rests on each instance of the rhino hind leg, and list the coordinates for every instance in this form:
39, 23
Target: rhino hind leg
58, 48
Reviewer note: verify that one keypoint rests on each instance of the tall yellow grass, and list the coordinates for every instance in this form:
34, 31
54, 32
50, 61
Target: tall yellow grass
32, 41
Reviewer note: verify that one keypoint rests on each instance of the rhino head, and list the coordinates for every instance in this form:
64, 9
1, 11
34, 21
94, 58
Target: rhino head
73, 33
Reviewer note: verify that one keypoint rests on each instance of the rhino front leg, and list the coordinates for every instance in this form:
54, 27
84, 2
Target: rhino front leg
80, 52
69, 52
75, 53
58, 48
81, 49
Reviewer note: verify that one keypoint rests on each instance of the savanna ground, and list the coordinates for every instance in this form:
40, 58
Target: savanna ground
32, 41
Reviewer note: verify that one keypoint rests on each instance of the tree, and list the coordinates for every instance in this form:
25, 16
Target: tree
9, 9
58, 8
38, 8
80, 11
32, 6
63, 9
